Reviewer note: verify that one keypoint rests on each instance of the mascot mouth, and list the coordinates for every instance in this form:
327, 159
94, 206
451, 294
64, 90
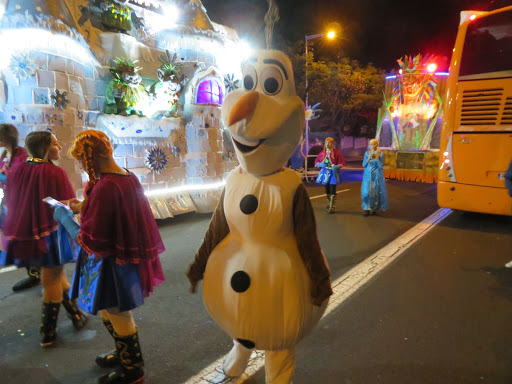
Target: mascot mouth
246, 145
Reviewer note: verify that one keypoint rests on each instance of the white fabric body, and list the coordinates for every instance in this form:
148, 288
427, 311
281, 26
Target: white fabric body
276, 311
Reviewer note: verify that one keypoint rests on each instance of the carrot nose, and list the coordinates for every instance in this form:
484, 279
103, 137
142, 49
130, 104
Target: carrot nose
244, 107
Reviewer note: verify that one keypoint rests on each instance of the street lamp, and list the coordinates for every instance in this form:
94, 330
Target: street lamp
330, 35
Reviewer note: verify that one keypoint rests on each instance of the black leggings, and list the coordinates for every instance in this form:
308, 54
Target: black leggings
330, 189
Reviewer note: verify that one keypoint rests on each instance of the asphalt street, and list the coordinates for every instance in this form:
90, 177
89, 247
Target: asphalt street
439, 313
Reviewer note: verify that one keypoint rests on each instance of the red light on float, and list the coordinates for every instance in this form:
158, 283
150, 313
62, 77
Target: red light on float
400, 71
447, 161
472, 17
432, 68
445, 154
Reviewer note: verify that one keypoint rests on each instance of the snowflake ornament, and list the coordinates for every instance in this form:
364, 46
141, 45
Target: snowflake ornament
230, 82
60, 100
156, 159
22, 66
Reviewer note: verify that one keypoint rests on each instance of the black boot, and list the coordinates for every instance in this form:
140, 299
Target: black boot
73, 312
109, 359
332, 203
33, 279
49, 315
130, 371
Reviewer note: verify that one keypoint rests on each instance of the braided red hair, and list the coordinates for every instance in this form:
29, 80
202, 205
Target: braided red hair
88, 145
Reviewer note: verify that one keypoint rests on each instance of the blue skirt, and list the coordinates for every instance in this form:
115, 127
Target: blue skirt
101, 283
61, 250
329, 176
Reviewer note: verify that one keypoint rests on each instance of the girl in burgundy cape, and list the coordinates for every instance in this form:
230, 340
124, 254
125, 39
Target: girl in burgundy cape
11, 157
119, 264
330, 160
30, 234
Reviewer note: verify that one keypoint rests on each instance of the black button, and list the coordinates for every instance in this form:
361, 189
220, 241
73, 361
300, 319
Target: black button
240, 281
249, 204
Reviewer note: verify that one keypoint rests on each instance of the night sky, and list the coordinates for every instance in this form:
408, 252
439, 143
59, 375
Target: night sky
377, 31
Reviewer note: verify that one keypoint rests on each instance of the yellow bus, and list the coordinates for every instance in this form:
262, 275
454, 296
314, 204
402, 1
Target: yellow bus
476, 141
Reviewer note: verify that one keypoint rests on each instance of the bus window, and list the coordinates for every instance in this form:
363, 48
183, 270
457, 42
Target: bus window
488, 45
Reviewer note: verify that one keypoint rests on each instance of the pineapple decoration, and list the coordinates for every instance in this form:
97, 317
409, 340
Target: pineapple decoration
115, 16
125, 91
165, 93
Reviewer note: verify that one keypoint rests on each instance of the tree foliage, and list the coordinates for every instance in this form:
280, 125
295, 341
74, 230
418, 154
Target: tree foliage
350, 93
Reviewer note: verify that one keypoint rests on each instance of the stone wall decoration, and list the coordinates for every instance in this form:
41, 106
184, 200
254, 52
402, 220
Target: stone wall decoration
156, 159
60, 100
137, 127
231, 83
22, 66
13, 116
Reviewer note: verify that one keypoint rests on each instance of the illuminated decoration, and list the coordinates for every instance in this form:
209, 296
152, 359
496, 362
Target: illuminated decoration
229, 155
331, 35
415, 104
411, 113
15, 41
209, 91
231, 83
186, 188
60, 100
22, 66
116, 17
165, 93
312, 112
125, 90
156, 159
72, 44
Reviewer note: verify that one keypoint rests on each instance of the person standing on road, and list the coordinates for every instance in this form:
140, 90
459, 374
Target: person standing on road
118, 265
12, 156
330, 161
508, 183
508, 179
373, 187
31, 236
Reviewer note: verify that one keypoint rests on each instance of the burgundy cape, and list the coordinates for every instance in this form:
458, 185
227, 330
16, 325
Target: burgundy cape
335, 157
18, 157
117, 221
29, 220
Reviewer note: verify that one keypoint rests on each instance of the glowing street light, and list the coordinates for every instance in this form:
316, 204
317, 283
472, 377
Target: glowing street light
330, 35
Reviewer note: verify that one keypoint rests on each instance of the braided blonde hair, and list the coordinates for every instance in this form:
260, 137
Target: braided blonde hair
88, 145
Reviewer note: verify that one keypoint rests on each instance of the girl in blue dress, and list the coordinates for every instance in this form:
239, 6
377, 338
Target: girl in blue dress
373, 188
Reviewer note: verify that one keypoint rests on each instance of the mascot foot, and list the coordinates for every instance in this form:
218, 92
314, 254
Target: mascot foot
221, 378
236, 360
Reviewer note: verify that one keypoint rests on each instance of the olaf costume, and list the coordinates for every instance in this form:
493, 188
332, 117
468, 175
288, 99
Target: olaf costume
266, 280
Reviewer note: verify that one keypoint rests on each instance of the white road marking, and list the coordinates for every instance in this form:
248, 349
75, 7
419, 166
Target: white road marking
343, 288
316, 197
8, 269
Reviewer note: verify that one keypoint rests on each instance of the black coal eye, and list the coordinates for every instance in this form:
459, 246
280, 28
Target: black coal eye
250, 77
272, 80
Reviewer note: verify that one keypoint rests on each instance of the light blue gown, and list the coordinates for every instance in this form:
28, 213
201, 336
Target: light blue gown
373, 188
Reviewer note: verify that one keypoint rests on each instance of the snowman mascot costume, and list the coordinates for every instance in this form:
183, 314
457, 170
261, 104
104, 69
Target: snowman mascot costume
266, 281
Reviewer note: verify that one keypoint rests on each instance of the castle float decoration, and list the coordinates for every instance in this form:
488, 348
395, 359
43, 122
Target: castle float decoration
151, 74
409, 123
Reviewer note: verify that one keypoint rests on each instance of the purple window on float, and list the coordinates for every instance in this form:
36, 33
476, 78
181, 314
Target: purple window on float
209, 91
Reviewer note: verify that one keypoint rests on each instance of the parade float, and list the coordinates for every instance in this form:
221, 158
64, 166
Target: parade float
409, 122
151, 74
